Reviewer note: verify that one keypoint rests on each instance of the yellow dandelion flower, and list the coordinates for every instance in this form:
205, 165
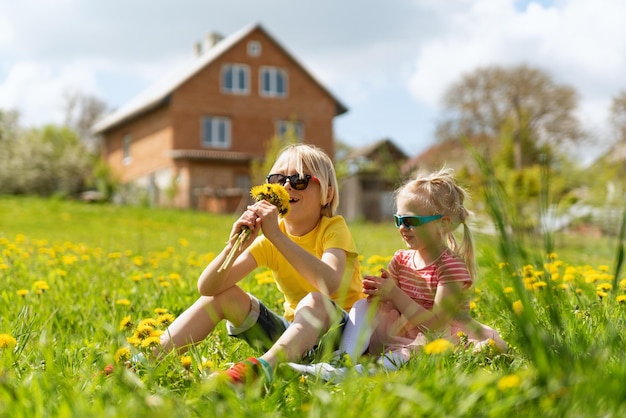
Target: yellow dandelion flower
183, 242
186, 362
206, 364
122, 354
553, 256
41, 285
601, 294
603, 268
518, 307
138, 260
7, 341
123, 302
622, 284
165, 284
148, 275
604, 287
472, 305
126, 323
160, 311
539, 285
165, 319
621, 299
510, 381
174, 276
303, 378
115, 255
150, 342
134, 340
501, 266
22, 292
438, 346
508, 289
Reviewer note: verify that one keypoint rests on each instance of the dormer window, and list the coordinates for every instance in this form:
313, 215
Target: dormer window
273, 82
254, 48
235, 78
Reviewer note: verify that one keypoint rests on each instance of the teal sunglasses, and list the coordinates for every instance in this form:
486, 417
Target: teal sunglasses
413, 221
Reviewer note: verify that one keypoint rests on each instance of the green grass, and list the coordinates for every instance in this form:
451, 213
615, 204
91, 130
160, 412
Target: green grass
89, 269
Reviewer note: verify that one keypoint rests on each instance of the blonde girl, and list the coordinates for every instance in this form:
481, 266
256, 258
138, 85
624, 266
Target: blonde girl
424, 292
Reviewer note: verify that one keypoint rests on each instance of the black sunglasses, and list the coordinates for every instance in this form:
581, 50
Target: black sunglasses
295, 181
413, 221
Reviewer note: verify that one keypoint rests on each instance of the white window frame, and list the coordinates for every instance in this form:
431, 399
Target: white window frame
127, 141
283, 125
219, 136
276, 76
236, 71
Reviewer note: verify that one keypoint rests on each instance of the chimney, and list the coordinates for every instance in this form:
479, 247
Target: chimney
209, 41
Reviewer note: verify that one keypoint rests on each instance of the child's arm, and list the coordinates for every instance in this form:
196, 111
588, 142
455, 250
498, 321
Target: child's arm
446, 301
213, 281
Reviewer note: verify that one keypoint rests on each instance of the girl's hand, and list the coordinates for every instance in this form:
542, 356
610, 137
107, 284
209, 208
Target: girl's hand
379, 286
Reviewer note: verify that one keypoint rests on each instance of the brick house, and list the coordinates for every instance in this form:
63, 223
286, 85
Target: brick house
188, 141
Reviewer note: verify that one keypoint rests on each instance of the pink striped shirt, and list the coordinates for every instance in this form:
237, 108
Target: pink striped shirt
421, 284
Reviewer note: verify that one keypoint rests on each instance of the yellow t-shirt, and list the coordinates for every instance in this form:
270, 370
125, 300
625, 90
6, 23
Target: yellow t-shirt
329, 233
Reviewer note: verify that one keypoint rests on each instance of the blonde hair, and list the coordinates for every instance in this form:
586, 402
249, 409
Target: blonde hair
439, 194
318, 164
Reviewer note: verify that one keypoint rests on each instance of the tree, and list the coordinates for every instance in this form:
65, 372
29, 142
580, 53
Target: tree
520, 105
45, 161
81, 112
9, 125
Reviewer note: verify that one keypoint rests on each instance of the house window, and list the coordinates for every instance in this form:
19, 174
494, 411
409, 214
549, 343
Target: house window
242, 182
254, 48
291, 129
216, 132
235, 78
126, 142
273, 82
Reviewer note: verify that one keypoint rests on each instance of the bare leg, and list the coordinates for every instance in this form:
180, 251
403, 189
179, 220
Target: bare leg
313, 318
200, 319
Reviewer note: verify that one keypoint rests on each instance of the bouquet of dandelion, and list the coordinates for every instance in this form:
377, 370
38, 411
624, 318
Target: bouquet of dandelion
273, 193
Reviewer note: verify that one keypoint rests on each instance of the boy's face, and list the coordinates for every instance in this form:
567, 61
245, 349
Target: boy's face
305, 204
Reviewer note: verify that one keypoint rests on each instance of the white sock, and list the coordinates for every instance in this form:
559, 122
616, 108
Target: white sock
358, 331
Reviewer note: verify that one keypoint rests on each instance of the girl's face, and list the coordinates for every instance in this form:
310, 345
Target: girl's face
420, 237
305, 204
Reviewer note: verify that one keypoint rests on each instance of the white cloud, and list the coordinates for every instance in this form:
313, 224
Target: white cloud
577, 42
37, 92
369, 53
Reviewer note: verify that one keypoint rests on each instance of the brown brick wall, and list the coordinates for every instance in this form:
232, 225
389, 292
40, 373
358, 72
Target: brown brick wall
253, 117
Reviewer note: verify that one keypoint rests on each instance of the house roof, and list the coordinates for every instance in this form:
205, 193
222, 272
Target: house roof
373, 150
159, 93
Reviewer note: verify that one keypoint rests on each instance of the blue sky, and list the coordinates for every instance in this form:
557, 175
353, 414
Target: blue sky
388, 61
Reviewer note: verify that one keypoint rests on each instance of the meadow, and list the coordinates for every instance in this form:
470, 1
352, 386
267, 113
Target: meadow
86, 286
